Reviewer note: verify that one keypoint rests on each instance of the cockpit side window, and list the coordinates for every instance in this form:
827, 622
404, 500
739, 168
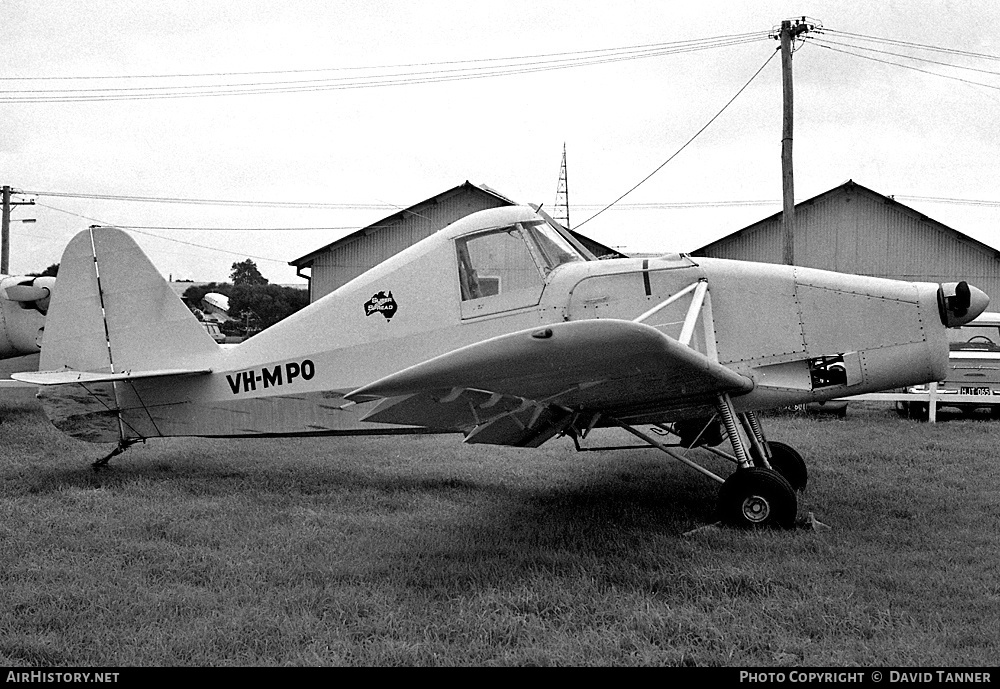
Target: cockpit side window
496, 262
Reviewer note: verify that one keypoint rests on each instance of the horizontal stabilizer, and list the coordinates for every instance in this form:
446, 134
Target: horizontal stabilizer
67, 377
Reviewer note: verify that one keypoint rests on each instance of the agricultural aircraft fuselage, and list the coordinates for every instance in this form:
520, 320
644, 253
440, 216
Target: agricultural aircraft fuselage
503, 328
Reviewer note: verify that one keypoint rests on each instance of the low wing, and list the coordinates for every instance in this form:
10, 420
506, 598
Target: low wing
525, 387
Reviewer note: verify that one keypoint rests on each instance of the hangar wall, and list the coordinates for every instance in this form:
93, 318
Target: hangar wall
345, 259
852, 229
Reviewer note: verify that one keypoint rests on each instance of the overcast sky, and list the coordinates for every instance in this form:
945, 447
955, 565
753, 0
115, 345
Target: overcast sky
899, 129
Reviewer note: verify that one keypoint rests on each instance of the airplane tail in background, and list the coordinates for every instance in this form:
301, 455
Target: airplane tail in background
112, 312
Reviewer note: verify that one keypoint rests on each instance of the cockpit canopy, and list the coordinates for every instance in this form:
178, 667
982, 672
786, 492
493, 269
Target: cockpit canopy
512, 258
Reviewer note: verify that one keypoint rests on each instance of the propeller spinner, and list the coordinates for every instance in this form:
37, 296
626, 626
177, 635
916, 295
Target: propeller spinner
959, 303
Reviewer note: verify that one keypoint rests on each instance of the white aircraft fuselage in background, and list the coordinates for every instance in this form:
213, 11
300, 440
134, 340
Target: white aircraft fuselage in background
23, 302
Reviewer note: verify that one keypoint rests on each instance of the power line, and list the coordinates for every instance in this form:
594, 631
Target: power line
237, 229
644, 205
642, 47
211, 202
202, 246
904, 56
910, 44
141, 229
910, 67
166, 239
677, 152
396, 78
675, 205
869, 53
944, 199
344, 206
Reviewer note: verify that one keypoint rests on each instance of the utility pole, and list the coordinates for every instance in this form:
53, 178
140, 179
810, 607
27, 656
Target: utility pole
790, 29
5, 231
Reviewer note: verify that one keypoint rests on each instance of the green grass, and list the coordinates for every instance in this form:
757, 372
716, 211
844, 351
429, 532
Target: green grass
424, 551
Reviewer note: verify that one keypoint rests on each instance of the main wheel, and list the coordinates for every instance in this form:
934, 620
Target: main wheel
919, 411
757, 498
787, 461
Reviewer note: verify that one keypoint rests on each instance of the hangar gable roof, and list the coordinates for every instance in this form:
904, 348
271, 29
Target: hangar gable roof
848, 186
387, 221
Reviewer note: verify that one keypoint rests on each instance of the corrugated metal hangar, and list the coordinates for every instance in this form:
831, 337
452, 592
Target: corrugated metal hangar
343, 260
852, 229
849, 229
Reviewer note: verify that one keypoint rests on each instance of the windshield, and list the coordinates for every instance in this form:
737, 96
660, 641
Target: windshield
553, 247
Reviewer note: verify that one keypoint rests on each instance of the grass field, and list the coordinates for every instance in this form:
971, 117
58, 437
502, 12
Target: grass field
423, 551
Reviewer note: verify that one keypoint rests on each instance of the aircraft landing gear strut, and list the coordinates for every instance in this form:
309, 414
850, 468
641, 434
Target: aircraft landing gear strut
761, 492
756, 494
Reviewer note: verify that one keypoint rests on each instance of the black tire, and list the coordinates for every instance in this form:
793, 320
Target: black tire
919, 411
787, 461
757, 498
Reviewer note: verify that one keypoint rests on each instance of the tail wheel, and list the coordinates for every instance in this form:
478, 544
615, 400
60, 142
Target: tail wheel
757, 498
787, 461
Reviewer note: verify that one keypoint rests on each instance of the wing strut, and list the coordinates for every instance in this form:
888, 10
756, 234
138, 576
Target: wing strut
700, 290
666, 448
667, 302
742, 456
692, 315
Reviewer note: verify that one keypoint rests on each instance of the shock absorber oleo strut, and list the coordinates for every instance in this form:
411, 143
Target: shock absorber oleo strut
732, 430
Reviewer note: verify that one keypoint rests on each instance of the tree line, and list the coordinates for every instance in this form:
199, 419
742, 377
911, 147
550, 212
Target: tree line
254, 303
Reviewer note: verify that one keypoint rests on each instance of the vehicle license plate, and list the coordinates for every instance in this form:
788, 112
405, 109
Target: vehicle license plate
975, 391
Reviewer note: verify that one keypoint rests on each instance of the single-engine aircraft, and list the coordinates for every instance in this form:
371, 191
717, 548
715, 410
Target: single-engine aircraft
503, 328
23, 302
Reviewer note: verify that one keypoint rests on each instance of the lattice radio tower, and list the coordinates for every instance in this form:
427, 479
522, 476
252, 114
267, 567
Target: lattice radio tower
561, 212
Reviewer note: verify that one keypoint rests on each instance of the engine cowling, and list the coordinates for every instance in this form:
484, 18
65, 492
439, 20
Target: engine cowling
29, 291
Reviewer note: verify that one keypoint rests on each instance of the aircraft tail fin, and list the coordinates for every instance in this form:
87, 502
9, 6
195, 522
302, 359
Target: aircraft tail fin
113, 312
